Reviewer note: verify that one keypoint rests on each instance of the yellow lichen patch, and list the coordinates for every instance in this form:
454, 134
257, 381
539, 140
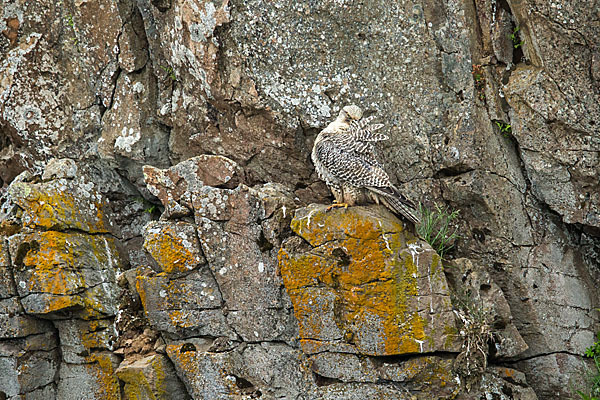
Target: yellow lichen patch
304, 271
314, 309
102, 368
59, 303
174, 247
63, 269
182, 319
52, 264
56, 206
146, 379
136, 384
318, 226
360, 283
139, 287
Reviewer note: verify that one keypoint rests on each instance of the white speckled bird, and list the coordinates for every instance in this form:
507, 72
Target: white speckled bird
345, 158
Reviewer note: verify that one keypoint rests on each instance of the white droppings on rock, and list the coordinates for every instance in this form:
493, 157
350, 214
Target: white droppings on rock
415, 250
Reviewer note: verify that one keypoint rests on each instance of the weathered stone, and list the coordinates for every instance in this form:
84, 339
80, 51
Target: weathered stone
133, 53
478, 193
263, 324
174, 185
242, 259
60, 168
63, 204
367, 282
502, 383
13, 324
344, 367
174, 246
255, 81
7, 285
79, 339
45, 393
554, 137
272, 369
151, 378
203, 374
63, 272
475, 289
49, 76
356, 391
27, 364
131, 139
189, 305
95, 380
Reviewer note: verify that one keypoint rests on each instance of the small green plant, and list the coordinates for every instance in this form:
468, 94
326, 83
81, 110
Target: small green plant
514, 37
594, 378
71, 24
170, 72
505, 128
479, 79
70, 21
594, 350
435, 227
150, 209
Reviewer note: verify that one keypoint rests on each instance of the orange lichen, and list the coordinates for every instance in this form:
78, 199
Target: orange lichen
172, 252
54, 263
360, 275
102, 368
49, 207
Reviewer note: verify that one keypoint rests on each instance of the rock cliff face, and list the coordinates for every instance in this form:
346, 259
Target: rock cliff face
160, 236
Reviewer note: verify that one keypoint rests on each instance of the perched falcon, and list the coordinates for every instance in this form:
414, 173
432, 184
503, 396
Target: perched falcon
345, 158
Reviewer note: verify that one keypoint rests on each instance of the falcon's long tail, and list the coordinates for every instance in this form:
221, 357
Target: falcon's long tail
397, 203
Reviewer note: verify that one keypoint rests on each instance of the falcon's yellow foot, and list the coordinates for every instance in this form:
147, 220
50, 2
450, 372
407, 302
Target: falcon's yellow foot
337, 205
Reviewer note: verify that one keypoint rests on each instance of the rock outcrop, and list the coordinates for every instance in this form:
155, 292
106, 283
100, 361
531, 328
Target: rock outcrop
60, 262
153, 154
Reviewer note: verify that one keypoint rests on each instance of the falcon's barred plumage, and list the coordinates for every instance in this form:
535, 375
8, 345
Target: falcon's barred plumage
345, 158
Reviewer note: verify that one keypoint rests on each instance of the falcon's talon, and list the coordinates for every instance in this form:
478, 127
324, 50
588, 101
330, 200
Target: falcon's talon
337, 205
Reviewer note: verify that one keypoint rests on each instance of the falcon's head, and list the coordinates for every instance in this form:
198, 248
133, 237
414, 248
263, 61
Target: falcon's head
350, 113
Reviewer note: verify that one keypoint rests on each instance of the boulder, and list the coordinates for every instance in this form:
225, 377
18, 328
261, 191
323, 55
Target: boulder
365, 284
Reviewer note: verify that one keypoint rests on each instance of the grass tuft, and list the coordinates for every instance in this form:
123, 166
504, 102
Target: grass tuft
435, 228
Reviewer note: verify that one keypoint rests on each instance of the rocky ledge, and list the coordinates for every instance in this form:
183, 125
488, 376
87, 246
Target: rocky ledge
242, 295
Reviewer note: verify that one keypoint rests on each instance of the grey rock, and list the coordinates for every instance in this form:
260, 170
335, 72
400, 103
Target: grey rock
152, 377
27, 364
60, 168
187, 306
344, 367
95, 380
78, 339
475, 289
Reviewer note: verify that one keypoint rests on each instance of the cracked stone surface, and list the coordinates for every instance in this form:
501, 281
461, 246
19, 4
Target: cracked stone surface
366, 285
151, 147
